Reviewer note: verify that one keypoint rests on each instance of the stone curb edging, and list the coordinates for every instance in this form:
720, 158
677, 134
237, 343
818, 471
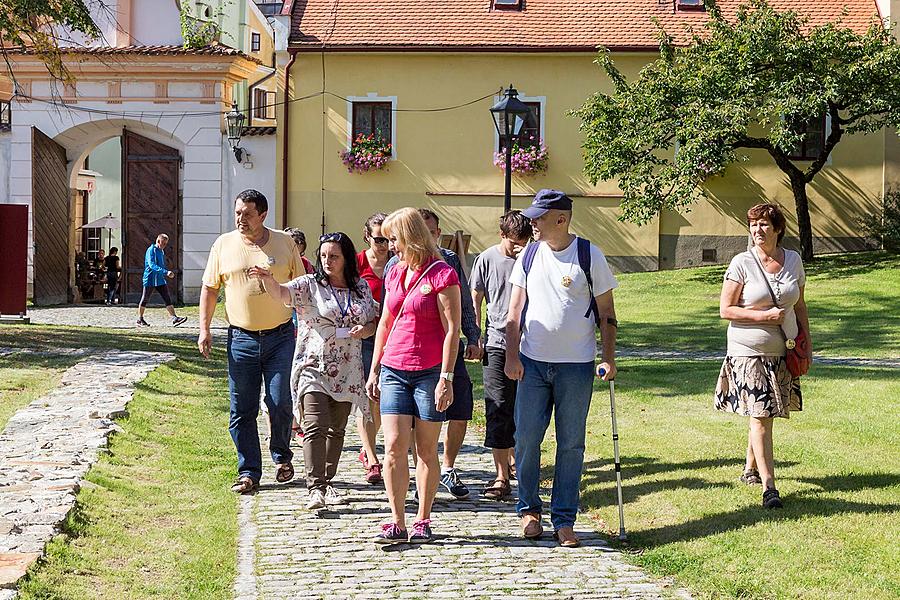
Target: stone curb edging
47, 448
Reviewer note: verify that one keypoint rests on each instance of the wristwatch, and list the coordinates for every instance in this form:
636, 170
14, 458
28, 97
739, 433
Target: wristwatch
447, 376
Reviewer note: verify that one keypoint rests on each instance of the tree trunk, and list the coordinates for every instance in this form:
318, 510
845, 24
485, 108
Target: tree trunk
804, 225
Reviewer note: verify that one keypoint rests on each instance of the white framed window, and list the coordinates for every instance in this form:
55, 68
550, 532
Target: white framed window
373, 114
539, 105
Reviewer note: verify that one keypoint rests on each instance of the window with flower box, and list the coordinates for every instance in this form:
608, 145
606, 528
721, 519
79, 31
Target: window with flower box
373, 118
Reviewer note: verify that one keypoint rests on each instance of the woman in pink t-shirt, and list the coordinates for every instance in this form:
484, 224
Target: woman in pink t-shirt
412, 368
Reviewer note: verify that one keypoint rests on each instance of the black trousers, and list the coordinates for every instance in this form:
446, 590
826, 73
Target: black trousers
499, 401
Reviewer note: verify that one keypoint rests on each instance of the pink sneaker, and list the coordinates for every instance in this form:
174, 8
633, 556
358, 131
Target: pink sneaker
373, 474
364, 460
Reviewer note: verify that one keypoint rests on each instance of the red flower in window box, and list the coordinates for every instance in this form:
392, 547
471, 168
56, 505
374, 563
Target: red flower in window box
367, 153
528, 158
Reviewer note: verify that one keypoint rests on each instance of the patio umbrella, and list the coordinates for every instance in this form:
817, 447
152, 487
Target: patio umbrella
108, 222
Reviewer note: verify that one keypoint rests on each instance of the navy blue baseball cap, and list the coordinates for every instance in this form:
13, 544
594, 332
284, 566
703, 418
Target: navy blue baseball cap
546, 200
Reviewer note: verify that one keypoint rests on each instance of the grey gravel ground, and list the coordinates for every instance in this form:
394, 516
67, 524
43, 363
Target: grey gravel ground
117, 317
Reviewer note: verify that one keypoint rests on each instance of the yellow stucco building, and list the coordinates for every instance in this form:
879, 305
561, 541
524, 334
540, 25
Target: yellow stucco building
421, 68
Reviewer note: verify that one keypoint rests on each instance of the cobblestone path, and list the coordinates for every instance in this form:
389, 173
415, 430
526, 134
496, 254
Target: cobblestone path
286, 551
47, 447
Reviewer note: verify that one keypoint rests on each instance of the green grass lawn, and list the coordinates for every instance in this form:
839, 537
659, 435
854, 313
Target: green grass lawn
159, 522
156, 519
837, 467
854, 307
25, 377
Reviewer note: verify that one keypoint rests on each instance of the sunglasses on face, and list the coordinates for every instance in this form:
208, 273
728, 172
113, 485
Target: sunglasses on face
379, 240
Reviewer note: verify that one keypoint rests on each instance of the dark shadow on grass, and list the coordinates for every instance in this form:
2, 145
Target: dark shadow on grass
797, 506
800, 505
600, 473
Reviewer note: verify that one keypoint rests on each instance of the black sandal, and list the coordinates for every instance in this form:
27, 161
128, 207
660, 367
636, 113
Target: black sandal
244, 485
284, 472
751, 477
771, 499
498, 489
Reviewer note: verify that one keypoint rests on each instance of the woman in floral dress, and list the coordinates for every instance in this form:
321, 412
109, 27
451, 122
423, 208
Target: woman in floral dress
754, 380
335, 311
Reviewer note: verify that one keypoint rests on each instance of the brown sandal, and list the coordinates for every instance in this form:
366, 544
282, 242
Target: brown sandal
498, 489
244, 485
284, 472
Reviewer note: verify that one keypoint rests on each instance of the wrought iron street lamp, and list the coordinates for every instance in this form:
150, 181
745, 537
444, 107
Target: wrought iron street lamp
235, 120
510, 115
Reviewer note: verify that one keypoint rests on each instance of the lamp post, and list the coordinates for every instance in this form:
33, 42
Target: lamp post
235, 120
509, 116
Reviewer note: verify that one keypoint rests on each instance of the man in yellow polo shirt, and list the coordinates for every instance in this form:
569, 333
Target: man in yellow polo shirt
260, 337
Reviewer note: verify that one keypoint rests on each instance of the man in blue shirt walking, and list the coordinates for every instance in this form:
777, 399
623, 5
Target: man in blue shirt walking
155, 275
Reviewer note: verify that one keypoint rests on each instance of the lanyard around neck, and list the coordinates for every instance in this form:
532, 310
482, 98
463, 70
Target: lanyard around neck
344, 309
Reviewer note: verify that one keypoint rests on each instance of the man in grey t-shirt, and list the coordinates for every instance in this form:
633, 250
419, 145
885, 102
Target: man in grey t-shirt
490, 282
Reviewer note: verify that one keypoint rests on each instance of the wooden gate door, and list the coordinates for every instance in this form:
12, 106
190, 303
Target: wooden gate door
51, 221
152, 205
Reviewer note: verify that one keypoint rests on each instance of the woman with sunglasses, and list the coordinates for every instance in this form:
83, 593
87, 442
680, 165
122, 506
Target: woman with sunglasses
371, 263
335, 311
412, 368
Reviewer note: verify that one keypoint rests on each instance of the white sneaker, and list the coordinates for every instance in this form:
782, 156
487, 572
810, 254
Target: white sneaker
316, 500
332, 496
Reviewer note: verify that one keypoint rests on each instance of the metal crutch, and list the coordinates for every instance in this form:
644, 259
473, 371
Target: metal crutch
615, 436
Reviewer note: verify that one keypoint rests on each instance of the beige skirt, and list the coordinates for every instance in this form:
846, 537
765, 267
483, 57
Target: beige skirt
757, 386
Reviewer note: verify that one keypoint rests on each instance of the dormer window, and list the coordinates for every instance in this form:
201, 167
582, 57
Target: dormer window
689, 5
508, 4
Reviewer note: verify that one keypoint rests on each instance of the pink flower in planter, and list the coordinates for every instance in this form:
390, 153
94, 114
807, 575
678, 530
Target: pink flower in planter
529, 158
367, 153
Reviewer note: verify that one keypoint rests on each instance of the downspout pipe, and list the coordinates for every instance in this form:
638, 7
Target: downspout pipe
285, 145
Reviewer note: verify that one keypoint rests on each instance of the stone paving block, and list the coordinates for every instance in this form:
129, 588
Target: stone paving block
13, 566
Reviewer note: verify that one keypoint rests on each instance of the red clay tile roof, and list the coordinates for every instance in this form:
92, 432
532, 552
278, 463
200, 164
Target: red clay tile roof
214, 50
542, 25
259, 130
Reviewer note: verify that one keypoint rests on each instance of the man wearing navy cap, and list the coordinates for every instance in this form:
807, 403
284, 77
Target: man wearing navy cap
551, 346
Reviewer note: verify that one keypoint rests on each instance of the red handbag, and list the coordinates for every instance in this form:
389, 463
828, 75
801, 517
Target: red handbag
798, 356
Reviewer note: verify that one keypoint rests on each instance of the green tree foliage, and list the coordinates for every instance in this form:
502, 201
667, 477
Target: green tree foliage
28, 23
198, 30
748, 82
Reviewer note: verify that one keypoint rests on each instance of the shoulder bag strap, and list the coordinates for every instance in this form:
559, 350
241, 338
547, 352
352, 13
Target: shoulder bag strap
409, 292
584, 261
527, 261
768, 286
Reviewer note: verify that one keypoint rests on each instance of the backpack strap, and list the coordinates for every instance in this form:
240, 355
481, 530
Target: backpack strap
527, 261
584, 261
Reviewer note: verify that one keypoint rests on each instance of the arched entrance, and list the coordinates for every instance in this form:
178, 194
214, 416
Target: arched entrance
151, 183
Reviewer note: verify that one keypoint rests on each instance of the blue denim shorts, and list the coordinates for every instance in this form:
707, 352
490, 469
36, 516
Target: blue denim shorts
410, 393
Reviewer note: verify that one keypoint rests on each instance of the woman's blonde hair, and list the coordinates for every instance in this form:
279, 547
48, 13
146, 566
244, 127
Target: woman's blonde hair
410, 230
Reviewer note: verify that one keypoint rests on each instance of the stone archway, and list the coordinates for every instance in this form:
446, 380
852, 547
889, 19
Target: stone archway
152, 166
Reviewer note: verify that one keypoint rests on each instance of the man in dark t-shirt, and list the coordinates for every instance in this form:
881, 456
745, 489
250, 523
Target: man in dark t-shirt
111, 263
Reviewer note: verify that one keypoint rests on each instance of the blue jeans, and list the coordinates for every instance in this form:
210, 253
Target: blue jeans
545, 387
254, 359
410, 393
